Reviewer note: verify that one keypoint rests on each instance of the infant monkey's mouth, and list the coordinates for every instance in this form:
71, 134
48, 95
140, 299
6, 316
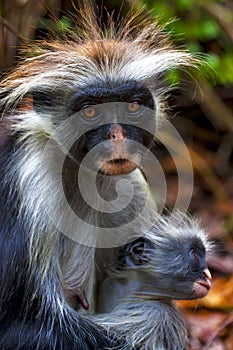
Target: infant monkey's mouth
202, 286
205, 284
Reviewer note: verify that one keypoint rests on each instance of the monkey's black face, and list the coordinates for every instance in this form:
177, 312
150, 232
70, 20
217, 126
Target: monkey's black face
119, 125
175, 269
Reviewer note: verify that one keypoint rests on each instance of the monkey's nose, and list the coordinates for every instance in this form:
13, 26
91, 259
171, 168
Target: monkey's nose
116, 132
207, 274
208, 277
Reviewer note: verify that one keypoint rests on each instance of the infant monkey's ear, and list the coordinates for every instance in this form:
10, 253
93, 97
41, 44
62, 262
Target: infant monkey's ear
138, 252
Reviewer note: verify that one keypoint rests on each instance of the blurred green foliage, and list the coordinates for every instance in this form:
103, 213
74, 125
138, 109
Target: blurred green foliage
198, 25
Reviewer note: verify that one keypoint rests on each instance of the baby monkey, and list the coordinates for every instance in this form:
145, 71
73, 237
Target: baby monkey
135, 297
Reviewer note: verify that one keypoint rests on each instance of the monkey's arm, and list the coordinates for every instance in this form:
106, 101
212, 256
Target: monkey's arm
33, 311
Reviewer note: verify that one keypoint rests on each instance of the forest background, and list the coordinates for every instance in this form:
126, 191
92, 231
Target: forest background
202, 105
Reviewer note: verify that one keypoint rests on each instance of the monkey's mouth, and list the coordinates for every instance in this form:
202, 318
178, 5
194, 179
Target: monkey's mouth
202, 287
118, 161
119, 165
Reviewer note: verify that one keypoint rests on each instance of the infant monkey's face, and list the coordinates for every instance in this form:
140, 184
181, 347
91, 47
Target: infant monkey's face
168, 267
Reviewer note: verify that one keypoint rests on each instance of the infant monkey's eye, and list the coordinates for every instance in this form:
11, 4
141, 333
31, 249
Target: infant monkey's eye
90, 111
194, 254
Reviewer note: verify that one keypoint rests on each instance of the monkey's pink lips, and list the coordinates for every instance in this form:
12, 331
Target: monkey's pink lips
202, 287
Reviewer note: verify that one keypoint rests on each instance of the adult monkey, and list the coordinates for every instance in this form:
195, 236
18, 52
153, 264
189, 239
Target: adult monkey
86, 95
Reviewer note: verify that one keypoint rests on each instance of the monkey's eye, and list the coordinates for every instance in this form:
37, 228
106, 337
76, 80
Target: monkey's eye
89, 111
133, 107
195, 259
194, 254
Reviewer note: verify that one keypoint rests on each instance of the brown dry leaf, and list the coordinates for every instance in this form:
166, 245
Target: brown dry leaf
221, 294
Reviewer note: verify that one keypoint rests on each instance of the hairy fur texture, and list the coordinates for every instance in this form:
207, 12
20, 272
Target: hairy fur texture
42, 271
142, 279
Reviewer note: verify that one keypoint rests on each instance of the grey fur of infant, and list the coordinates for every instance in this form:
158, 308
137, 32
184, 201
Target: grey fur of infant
138, 288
